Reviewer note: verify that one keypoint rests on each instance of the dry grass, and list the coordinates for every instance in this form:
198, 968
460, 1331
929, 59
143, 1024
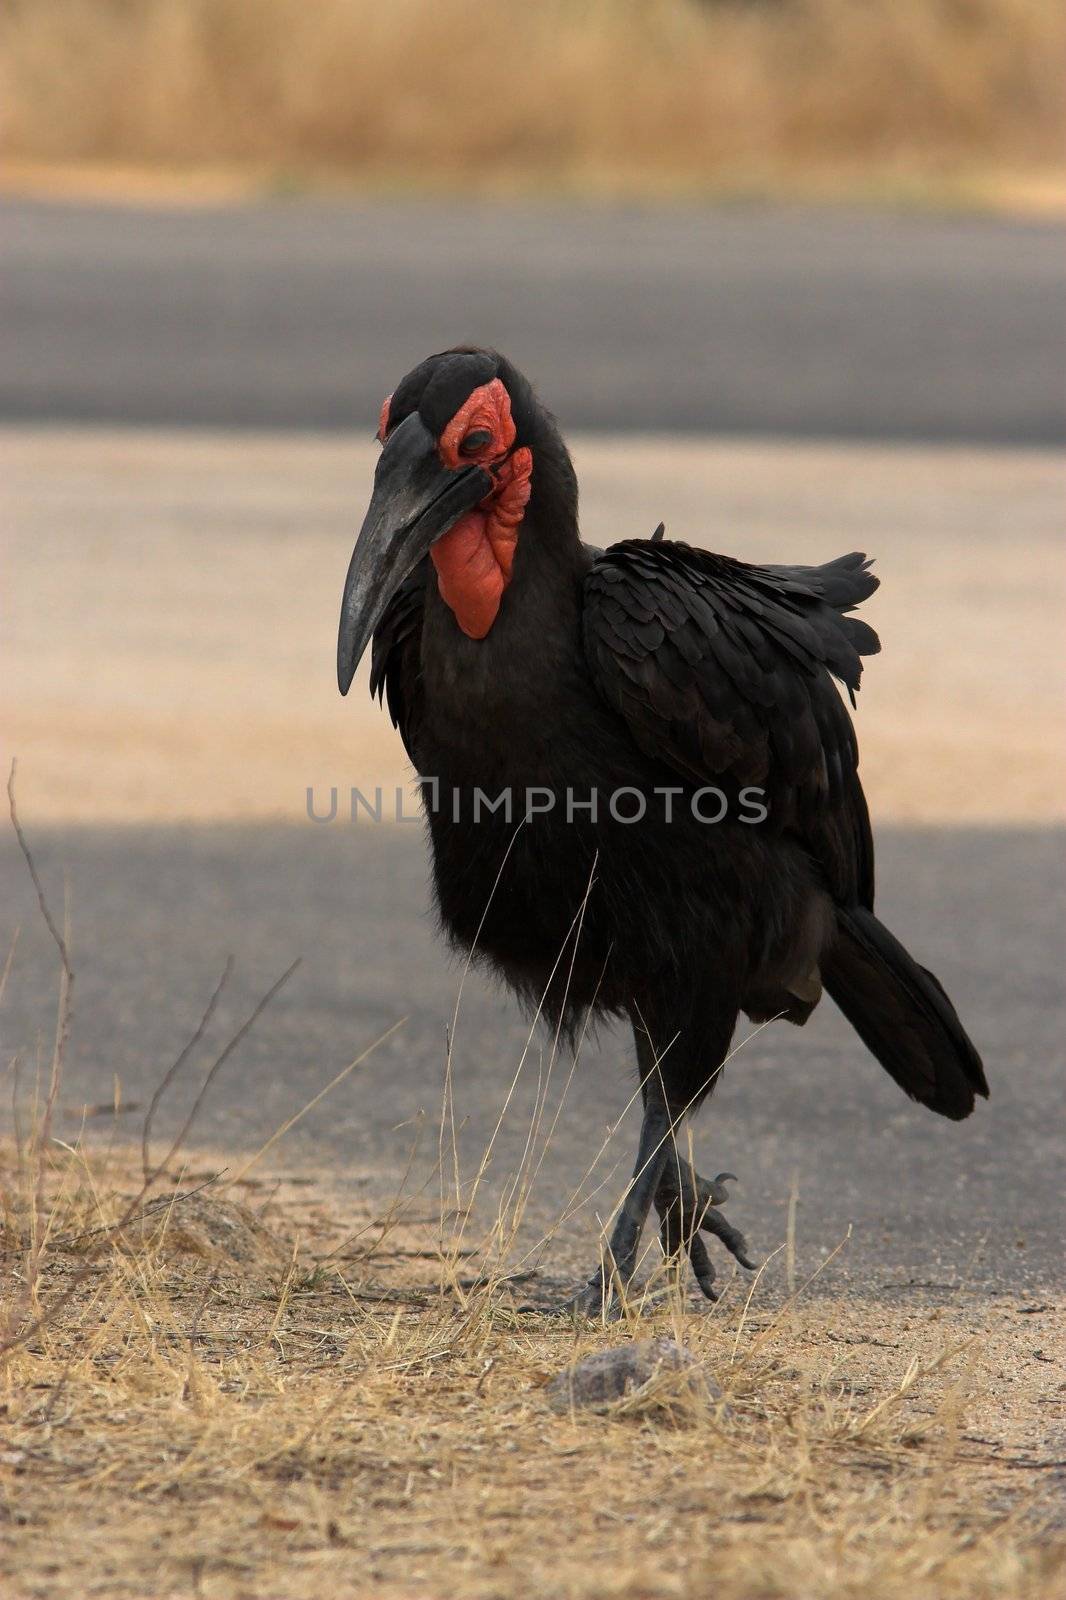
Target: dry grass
239, 1405
608, 94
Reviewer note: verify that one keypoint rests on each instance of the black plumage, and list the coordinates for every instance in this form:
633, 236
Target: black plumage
645, 668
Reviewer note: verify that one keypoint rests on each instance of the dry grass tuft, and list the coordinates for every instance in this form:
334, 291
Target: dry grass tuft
613, 94
281, 1414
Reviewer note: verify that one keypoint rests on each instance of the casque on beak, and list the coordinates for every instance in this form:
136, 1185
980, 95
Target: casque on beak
416, 499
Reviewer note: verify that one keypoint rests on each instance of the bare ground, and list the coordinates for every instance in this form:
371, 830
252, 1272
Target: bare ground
169, 641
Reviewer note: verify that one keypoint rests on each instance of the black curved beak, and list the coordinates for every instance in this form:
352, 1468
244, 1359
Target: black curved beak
415, 500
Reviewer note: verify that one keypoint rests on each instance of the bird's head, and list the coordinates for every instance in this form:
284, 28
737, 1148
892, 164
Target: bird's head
462, 438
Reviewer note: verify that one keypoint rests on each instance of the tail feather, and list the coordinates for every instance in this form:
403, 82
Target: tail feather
901, 1013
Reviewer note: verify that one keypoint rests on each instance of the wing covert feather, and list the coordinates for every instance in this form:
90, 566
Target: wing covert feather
723, 671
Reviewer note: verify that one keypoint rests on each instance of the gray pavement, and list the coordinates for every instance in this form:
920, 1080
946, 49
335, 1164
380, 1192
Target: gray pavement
156, 910
836, 322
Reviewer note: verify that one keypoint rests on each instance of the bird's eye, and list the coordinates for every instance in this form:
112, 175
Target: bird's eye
474, 441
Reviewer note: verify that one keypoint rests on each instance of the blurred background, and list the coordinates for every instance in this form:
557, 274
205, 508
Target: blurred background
608, 96
790, 273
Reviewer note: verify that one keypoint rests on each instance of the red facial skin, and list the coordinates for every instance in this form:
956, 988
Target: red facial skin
474, 558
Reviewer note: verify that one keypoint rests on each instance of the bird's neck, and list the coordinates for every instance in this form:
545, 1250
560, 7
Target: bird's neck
534, 639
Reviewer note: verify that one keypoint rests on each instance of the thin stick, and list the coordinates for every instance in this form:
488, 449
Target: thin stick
58, 938
790, 1237
748, 1299
518, 1192
16, 1118
63, 1016
7, 964
176, 1066
219, 1061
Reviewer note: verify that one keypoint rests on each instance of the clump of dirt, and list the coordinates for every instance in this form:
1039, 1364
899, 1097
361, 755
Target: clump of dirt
223, 1232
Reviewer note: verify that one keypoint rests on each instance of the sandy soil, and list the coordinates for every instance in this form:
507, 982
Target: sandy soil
171, 603
1012, 192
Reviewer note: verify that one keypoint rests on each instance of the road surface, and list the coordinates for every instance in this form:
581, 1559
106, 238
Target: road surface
813, 323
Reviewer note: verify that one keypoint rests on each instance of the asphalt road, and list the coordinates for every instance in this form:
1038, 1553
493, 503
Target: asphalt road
302, 314
934, 1204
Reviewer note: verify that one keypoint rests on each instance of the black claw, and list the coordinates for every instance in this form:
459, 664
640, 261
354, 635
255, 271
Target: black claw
686, 1203
702, 1267
731, 1237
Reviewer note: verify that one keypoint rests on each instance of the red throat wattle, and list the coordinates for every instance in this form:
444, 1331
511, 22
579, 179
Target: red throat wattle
474, 558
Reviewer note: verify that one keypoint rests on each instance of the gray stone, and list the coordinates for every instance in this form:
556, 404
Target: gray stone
672, 1375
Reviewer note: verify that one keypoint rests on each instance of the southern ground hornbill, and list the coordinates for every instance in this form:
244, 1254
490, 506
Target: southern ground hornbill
644, 797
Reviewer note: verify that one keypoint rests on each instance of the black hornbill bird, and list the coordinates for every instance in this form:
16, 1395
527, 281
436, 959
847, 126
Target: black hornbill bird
645, 799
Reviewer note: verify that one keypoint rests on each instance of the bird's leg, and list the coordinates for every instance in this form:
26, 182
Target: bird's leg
686, 1202
617, 1269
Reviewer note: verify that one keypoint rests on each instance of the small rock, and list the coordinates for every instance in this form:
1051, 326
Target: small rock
673, 1376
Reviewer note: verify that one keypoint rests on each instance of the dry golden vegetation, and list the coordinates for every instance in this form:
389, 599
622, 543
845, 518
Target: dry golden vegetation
608, 95
224, 1402
217, 1385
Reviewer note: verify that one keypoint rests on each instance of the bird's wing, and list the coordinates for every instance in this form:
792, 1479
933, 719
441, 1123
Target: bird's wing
723, 672
396, 656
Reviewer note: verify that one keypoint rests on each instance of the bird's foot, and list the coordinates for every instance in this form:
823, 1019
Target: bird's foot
596, 1302
602, 1299
687, 1204
688, 1207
